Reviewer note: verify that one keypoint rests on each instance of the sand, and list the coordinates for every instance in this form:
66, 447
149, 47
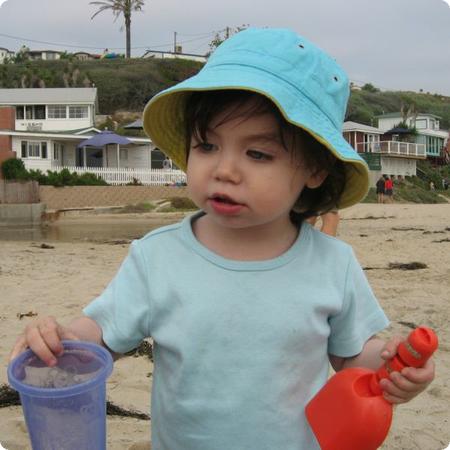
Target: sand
59, 281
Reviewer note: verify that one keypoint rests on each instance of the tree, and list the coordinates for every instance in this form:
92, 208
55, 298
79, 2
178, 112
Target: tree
118, 7
369, 87
223, 35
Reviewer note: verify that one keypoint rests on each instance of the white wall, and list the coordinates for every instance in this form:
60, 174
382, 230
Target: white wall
398, 166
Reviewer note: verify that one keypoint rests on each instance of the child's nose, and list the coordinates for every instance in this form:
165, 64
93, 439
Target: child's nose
227, 168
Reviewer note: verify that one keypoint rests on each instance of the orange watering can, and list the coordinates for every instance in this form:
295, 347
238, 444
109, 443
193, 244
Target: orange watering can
350, 412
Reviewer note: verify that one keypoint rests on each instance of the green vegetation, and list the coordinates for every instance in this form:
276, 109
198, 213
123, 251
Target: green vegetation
366, 104
14, 169
123, 84
127, 84
138, 208
417, 189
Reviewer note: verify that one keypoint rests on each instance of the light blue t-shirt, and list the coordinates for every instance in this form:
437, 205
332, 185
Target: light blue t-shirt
240, 347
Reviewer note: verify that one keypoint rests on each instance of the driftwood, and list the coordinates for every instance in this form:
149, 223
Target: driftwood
400, 266
10, 397
411, 325
408, 266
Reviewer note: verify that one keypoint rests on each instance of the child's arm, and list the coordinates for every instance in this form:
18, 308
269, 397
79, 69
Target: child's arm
401, 386
44, 337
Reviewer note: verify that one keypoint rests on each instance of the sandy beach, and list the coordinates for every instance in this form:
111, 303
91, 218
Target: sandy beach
59, 281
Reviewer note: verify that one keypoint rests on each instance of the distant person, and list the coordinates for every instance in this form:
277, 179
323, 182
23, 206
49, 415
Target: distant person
432, 187
389, 190
167, 163
330, 222
380, 189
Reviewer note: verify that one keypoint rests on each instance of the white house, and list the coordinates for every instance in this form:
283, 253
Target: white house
157, 54
383, 155
5, 53
428, 129
43, 127
45, 55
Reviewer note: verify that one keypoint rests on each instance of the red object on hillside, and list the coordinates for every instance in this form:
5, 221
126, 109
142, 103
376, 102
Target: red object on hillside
349, 412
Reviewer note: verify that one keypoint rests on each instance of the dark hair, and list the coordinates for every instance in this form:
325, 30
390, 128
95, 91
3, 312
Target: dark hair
203, 106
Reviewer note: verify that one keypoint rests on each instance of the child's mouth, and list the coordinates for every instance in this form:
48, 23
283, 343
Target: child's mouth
223, 199
223, 204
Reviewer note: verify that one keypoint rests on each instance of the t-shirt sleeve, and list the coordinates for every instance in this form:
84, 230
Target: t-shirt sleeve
360, 317
123, 309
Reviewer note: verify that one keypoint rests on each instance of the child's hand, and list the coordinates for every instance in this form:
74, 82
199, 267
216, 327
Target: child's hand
44, 337
402, 386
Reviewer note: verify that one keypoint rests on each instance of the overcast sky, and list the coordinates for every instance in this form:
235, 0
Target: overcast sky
393, 44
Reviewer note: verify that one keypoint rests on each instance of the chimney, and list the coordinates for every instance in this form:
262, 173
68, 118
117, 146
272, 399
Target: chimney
7, 118
8, 123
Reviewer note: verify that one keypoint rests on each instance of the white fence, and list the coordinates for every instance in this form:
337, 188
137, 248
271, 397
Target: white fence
154, 177
395, 148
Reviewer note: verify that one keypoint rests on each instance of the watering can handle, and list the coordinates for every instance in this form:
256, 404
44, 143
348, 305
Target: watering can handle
413, 352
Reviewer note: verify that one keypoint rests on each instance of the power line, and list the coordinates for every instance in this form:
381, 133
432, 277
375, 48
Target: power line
55, 44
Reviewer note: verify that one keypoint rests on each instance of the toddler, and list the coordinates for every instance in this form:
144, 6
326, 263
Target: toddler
246, 303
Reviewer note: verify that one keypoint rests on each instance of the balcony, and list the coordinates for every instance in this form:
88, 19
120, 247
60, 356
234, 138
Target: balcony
393, 148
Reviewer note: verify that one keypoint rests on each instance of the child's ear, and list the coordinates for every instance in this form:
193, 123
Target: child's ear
316, 179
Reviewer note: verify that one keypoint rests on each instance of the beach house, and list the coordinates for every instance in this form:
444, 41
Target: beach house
384, 153
44, 128
428, 132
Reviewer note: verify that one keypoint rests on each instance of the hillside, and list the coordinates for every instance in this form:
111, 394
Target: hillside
126, 85
122, 84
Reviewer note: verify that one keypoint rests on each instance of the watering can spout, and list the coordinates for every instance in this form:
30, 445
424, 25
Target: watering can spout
350, 412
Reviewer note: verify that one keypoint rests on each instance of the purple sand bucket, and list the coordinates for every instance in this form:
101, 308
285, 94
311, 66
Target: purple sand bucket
64, 405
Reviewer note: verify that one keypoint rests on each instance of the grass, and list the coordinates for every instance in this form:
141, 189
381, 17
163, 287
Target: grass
138, 208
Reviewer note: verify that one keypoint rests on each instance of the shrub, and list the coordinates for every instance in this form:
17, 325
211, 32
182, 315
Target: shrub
182, 203
14, 169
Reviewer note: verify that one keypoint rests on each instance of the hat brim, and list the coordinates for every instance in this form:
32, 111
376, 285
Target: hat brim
163, 119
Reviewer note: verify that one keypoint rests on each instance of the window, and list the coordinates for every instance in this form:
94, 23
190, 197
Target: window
57, 151
78, 112
39, 112
57, 111
421, 124
34, 149
20, 115
33, 112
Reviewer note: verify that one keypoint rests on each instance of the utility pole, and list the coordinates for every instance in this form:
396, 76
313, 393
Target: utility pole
227, 32
174, 41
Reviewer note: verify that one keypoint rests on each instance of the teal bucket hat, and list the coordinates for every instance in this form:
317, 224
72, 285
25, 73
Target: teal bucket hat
309, 88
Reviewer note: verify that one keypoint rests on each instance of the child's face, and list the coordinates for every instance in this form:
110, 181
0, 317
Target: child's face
242, 176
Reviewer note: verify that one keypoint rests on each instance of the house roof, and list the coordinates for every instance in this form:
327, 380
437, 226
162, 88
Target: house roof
46, 96
67, 135
354, 126
136, 125
399, 115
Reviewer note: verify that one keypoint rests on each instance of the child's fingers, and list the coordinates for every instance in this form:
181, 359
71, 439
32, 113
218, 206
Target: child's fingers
37, 343
50, 331
19, 347
390, 348
394, 399
422, 375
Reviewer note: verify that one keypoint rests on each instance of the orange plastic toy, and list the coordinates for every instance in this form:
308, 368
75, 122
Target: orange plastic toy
349, 412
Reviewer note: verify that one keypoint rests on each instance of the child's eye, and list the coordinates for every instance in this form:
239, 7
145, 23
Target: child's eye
255, 154
204, 146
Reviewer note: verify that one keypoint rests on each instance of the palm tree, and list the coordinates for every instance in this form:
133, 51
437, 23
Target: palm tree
118, 7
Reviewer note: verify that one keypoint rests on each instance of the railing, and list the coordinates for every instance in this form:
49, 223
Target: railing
395, 148
155, 177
